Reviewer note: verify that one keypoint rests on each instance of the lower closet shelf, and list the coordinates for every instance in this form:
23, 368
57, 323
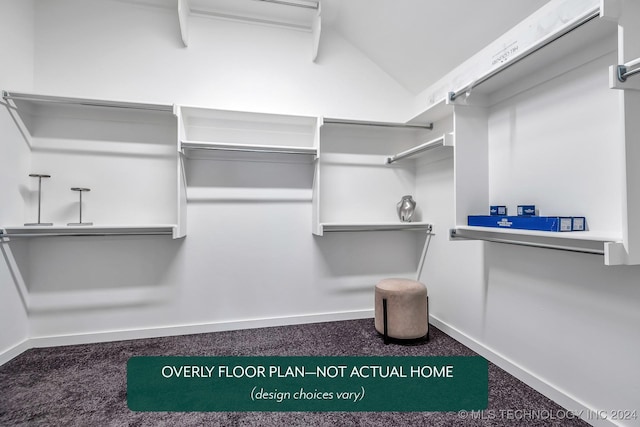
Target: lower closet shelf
377, 226
93, 230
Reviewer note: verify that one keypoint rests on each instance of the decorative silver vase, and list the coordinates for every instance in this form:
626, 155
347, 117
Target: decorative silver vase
406, 207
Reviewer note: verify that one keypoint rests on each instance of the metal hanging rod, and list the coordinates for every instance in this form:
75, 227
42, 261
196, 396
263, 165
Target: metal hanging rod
434, 143
269, 149
86, 231
85, 234
533, 49
455, 236
306, 4
85, 102
381, 124
405, 226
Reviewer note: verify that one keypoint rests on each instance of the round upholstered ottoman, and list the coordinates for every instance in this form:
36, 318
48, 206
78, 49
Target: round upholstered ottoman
401, 309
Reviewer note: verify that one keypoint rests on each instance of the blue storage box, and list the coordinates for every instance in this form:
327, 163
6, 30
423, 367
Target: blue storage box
579, 223
526, 210
539, 223
497, 210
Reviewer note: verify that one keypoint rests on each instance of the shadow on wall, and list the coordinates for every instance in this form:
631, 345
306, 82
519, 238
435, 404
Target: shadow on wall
360, 259
88, 272
555, 281
235, 174
13, 256
68, 122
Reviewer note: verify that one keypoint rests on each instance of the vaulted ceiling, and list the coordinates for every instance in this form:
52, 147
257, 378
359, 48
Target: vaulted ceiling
416, 42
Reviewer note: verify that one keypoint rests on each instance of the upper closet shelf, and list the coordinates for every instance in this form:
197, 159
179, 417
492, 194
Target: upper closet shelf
47, 99
42, 113
31, 107
437, 111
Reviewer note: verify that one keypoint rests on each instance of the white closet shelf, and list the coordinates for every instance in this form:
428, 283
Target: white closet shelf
572, 235
99, 133
89, 230
573, 241
85, 102
196, 149
33, 108
435, 112
375, 226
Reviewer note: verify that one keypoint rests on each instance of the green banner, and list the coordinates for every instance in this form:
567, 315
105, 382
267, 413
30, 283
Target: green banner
302, 383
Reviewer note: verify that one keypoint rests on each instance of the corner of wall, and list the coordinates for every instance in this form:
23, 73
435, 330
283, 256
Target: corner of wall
16, 42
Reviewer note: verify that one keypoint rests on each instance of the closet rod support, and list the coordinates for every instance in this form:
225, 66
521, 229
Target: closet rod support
424, 252
623, 72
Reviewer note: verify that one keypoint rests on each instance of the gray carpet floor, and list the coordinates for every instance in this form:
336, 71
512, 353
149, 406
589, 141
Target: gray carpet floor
85, 385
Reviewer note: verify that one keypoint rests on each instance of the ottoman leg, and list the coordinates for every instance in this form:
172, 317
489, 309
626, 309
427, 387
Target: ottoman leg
384, 320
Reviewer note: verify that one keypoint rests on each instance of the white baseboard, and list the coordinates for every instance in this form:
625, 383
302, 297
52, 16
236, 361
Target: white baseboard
129, 334
14, 351
542, 386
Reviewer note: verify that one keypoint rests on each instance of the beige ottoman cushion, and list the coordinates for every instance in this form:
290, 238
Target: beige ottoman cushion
407, 316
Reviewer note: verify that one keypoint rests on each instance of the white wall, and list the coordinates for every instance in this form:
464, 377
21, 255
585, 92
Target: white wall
16, 49
545, 21
565, 319
242, 260
563, 322
112, 49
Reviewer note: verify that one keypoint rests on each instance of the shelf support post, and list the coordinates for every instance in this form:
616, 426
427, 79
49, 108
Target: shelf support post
183, 20
316, 32
424, 253
627, 13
